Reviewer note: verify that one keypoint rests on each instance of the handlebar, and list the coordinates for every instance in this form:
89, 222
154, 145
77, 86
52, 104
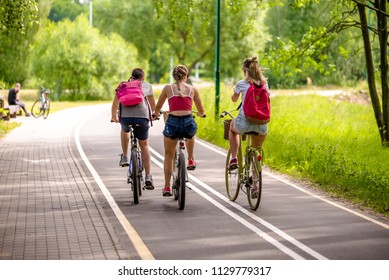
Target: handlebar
224, 113
167, 112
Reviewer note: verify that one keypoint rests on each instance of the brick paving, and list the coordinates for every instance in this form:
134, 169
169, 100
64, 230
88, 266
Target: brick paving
48, 209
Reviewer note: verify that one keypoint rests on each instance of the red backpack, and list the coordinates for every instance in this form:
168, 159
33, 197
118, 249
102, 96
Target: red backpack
256, 105
130, 93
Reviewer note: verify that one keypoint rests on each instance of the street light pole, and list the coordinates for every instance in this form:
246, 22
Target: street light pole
90, 10
217, 58
90, 13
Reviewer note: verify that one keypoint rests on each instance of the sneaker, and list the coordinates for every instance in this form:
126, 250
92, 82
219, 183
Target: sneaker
166, 191
149, 182
28, 115
191, 164
123, 161
233, 164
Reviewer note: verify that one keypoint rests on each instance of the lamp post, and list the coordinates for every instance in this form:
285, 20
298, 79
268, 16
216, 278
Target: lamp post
90, 9
217, 58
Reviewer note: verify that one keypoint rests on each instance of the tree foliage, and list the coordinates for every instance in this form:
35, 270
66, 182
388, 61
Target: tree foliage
311, 50
15, 15
78, 62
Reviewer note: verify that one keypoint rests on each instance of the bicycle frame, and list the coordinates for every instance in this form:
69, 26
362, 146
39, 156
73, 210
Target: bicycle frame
41, 107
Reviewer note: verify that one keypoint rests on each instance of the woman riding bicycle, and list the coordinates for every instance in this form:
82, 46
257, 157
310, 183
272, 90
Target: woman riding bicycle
253, 74
136, 115
180, 122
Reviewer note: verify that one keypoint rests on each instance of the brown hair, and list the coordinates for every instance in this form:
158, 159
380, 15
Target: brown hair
137, 74
252, 70
179, 73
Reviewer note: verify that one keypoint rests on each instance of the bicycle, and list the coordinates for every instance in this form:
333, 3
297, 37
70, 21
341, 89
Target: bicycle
135, 167
41, 107
248, 175
180, 174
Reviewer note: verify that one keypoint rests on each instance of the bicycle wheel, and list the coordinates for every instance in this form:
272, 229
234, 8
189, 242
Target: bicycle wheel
181, 181
232, 179
254, 187
46, 108
176, 182
37, 109
134, 177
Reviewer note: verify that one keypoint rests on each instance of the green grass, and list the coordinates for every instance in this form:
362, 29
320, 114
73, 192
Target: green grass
6, 127
333, 144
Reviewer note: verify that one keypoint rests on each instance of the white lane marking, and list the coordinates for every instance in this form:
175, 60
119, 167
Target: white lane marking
134, 237
264, 235
202, 143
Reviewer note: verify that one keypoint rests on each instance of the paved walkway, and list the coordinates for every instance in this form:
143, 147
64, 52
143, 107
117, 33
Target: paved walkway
48, 209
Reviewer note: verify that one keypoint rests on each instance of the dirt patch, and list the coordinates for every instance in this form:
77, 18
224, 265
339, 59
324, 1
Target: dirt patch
358, 96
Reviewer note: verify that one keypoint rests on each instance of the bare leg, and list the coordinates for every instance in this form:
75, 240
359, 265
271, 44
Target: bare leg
145, 155
190, 143
257, 140
170, 146
124, 139
234, 141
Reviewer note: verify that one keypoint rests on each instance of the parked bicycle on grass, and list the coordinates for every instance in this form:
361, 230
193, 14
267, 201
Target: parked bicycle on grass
41, 107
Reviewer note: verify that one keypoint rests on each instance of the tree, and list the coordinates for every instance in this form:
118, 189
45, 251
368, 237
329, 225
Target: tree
183, 31
78, 62
16, 14
346, 14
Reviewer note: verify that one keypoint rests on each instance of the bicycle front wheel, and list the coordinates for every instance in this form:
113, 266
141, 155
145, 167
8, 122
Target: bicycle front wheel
254, 186
134, 177
232, 179
181, 181
37, 109
46, 108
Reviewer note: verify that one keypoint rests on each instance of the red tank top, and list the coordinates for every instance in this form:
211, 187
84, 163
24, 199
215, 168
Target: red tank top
180, 103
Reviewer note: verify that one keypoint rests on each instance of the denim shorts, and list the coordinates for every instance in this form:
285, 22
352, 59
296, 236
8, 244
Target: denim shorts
180, 127
243, 126
141, 127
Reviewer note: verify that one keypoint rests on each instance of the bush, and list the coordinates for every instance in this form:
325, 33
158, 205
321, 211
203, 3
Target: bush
80, 65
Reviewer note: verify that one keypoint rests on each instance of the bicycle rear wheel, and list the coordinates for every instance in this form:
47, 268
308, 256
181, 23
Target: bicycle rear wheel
181, 181
254, 188
232, 179
37, 109
134, 177
176, 182
46, 108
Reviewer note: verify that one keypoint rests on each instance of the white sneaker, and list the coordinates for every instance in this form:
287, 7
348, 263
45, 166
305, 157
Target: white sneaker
123, 161
149, 182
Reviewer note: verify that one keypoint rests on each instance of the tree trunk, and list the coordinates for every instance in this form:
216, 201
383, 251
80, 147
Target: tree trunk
382, 24
370, 71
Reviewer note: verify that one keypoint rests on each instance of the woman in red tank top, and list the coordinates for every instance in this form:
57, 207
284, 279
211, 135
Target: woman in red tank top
180, 122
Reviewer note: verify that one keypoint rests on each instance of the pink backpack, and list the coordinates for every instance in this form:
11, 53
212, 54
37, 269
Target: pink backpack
130, 93
256, 105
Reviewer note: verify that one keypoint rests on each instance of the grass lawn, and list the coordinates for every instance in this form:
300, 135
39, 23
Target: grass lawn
333, 144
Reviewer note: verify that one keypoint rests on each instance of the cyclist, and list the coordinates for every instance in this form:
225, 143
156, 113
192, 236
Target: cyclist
136, 115
252, 74
180, 122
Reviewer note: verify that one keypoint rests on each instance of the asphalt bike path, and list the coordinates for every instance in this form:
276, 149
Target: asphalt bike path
63, 196
291, 222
